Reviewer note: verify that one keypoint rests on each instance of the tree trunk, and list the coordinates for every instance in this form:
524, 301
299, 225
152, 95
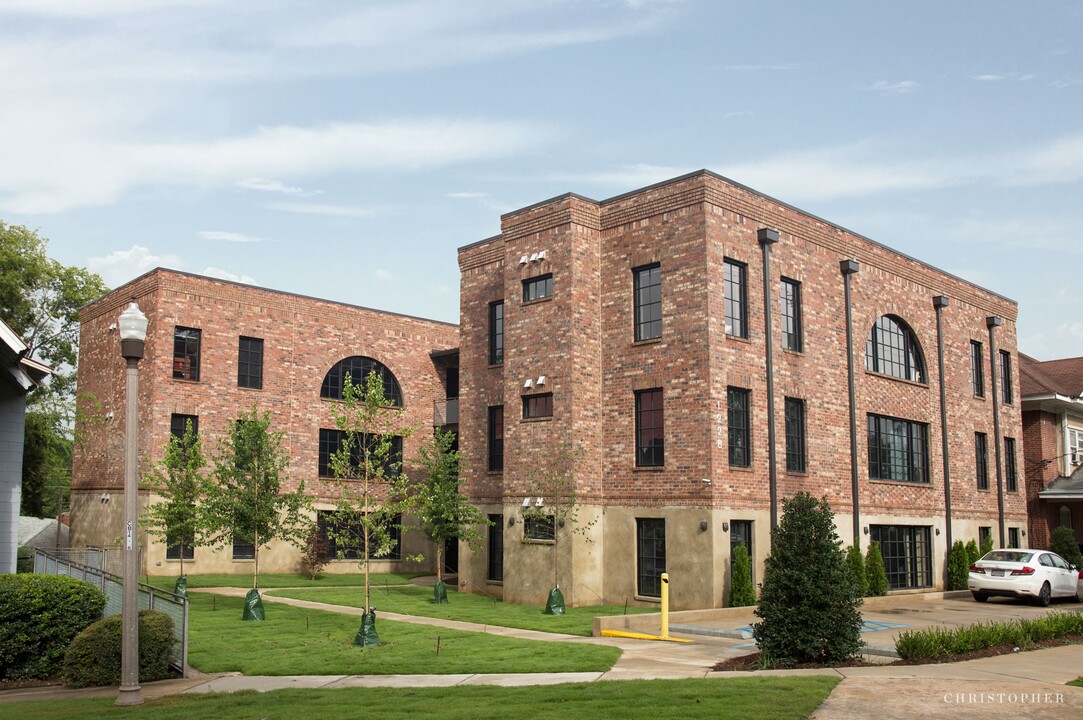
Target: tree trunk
439, 563
255, 559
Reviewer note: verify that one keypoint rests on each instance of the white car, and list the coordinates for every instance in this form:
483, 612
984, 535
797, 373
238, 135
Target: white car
1040, 575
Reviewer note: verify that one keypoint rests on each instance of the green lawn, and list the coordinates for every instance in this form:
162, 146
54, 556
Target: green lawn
773, 698
467, 607
1078, 682
281, 580
293, 641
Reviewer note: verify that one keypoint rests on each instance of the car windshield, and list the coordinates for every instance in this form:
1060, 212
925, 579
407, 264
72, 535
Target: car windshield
1008, 556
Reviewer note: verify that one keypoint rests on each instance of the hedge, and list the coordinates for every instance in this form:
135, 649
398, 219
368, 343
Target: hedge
93, 658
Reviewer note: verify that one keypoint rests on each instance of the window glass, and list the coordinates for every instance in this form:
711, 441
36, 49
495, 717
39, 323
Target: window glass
496, 438
650, 556
359, 368
495, 569
186, 343
647, 290
496, 333
538, 406
981, 461
791, 314
893, 349
736, 298
897, 449
539, 528
250, 363
650, 429
795, 435
977, 378
739, 427
537, 288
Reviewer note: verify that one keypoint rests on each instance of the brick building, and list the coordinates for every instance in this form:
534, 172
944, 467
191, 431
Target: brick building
635, 334
1052, 403
215, 349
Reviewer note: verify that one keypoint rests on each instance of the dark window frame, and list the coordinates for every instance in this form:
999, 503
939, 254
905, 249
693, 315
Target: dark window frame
538, 287
892, 348
539, 528
790, 311
539, 405
977, 374
187, 347
741, 533
250, 362
330, 442
650, 556
650, 428
735, 297
1013, 537
1006, 392
358, 367
1011, 478
243, 550
173, 548
796, 444
885, 462
907, 553
332, 520
496, 332
981, 460
647, 301
496, 438
494, 571
739, 424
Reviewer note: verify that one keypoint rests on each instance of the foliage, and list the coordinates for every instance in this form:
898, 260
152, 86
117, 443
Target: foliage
179, 479
759, 698
941, 642
958, 567
93, 658
972, 553
875, 572
39, 615
443, 513
247, 499
808, 601
281, 580
1062, 541
742, 593
313, 553
24, 559
856, 563
374, 488
46, 464
986, 546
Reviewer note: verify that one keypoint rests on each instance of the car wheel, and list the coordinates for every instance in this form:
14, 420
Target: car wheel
1045, 595
980, 597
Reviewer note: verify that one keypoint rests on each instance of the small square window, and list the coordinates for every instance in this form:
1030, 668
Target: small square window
537, 288
539, 528
538, 406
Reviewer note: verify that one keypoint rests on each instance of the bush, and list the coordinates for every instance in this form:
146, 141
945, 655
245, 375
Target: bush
958, 566
874, 571
39, 615
856, 564
313, 553
24, 561
986, 546
972, 553
93, 658
808, 602
1063, 543
937, 642
742, 593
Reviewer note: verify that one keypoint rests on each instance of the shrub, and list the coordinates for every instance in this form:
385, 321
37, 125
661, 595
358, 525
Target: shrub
808, 602
938, 642
857, 570
24, 561
874, 570
1063, 543
93, 658
986, 546
958, 566
742, 593
972, 553
313, 553
39, 615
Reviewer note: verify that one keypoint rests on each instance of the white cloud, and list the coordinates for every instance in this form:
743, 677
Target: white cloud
323, 209
232, 237
120, 266
271, 186
884, 87
989, 78
467, 195
745, 68
226, 275
383, 275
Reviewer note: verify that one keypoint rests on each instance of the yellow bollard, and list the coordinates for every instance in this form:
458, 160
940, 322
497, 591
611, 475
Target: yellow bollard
665, 606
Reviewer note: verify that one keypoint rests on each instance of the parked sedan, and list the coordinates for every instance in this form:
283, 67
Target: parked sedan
1039, 575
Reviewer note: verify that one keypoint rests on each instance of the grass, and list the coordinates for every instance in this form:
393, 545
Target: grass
1078, 682
295, 641
746, 698
467, 607
939, 642
281, 580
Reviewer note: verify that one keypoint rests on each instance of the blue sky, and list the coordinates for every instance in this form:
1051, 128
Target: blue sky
346, 150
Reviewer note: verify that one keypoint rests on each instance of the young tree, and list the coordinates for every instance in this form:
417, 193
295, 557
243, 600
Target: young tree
742, 592
875, 572
369, 470
179, 479
443, 513
247, 500
986, 546
556, 512
958, 566
1062, 542
808, 600
857, 569
313, 553
973, 554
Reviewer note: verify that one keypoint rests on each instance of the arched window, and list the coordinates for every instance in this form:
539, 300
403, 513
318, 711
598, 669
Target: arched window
893, 349
358, 368
1065, 516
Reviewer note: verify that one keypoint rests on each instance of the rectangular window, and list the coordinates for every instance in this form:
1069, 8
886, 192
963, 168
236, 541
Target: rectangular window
1010, 482
795, 435
650, 556
496, 333
250, 363
1006, 377
650, 429
740, 427
496, 438
985, 534
741, 534
536, 288
331, 441
178, 424
243, 550
539, 528
791, 314
186, 353
1013, 537
1075, 448
736, 298
898, 449
977, 378
495, 569
907, 552
174, 548
647, 290
981, 460
538, 406
345, 536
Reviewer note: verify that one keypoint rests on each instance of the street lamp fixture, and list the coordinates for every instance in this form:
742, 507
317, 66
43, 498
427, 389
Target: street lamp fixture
133, 335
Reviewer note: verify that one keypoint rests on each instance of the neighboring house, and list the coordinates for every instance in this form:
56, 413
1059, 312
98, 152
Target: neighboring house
43, 533
215, 349
635, 330
1052, 399
19, 375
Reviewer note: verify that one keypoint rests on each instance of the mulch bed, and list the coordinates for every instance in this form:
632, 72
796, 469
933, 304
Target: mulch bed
22, 684
753, 661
